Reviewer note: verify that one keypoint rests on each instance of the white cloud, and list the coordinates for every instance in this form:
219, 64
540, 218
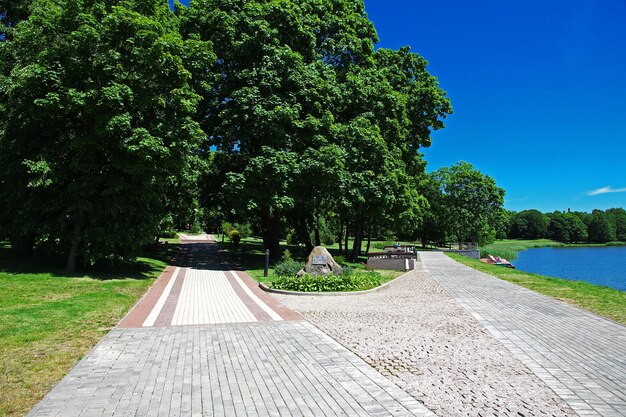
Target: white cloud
606, 190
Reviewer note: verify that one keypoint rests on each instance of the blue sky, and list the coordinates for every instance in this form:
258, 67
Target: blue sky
538, 90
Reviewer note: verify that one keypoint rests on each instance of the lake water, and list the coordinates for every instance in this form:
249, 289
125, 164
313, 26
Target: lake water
601, 266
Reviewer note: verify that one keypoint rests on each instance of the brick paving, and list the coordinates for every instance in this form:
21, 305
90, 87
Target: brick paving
244, 369
581, 356
206, 341
419, 337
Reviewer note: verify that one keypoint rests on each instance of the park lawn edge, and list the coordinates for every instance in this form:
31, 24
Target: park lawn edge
603, 301
33, 361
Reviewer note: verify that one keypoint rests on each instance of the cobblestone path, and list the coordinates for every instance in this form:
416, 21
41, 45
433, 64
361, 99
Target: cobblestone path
206, 341
581, 356
415, 334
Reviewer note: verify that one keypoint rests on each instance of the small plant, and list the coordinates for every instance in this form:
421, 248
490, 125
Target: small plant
168, 233
347, 270
287, 255
288, 268
381, 245
234, 236
227, 228
329, 283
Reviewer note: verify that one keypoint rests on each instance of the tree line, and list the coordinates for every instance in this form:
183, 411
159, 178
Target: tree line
122, 118
568, 227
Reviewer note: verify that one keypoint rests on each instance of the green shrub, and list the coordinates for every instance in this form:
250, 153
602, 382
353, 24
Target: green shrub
288, 268
287, 255
381, 245
330, 283
347, 270
195, 228
244, 229
234, 236
227, 228
168, 233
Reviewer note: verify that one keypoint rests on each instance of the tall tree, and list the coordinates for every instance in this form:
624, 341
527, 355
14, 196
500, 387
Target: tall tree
275, 85
472, 202
567, 228
98, 118
529, 224
600, 228
617, 217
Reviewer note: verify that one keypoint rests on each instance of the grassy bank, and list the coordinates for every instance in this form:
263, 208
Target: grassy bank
603, 301
509, 248
250, 255
49, 320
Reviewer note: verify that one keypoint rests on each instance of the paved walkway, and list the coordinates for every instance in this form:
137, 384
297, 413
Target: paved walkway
205, 341
581, 356
419, 337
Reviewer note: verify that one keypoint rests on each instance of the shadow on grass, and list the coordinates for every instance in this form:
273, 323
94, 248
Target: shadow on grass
149, 264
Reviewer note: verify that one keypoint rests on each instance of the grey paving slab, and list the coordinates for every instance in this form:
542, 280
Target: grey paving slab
244, 369
581, 356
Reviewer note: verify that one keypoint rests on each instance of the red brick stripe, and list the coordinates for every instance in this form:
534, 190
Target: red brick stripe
167, 312
144, 306
271, 302
254, 308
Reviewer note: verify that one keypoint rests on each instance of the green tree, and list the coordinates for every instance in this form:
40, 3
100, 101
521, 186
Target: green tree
567, 228
433, 227
98, 119
529, 224
270, 102
472, 202
388, 110
600, 228
617, 217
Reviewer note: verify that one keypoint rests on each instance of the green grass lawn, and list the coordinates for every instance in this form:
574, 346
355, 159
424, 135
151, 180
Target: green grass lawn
250, 255
603, 301
49, 320
508, 248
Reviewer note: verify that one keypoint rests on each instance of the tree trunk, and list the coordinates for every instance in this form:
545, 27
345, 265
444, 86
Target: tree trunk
345, 246
369, 239
303, 234
78, 224
275, 244
358, 239
318, 242
270, 225
340, 236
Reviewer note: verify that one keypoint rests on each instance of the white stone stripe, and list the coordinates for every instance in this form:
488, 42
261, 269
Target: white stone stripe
206, 297
274, 315
154, 314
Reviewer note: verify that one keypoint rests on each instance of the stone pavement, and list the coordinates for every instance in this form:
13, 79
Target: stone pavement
205, 341
419, 337
581, 356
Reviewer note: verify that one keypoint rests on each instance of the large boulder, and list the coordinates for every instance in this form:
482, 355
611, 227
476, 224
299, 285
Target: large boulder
321, 262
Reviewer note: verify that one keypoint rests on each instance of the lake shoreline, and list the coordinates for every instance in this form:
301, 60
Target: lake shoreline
509, 248
601, 300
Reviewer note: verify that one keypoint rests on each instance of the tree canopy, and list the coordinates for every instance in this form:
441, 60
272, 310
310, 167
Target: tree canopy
470, 203
99, 120
123, 117
309, 120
